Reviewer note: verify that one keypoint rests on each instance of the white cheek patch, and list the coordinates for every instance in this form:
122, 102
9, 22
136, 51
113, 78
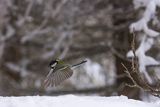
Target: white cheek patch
53, 65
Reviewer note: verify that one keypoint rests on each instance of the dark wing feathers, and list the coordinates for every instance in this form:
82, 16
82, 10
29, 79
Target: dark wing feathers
56, 77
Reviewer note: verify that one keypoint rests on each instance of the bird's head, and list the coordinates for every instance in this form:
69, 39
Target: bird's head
53, 63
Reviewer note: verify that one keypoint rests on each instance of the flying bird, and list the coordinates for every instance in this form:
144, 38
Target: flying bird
59, 72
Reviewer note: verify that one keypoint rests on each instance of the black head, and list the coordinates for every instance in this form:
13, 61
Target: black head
53, 63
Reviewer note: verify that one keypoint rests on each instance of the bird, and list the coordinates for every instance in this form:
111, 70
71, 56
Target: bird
59, 72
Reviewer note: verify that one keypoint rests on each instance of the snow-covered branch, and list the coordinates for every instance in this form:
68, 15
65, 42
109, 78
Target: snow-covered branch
147, 38
56, 46
149, 13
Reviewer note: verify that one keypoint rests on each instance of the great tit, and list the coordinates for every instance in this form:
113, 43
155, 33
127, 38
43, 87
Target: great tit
59, 71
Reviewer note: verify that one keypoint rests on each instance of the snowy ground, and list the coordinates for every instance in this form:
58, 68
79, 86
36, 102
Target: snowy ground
73, 101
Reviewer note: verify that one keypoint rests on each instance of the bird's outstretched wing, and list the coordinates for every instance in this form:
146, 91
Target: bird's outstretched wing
56, 77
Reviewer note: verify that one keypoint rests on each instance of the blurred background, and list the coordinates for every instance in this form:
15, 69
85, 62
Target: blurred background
33, 32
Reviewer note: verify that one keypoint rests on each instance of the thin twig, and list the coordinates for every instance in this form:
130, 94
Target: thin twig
135, 75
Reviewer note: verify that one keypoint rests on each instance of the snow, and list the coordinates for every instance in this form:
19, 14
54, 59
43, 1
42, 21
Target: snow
72, 101
95, 72
149, 14
140, 52
91, 76
144, 60
147, 42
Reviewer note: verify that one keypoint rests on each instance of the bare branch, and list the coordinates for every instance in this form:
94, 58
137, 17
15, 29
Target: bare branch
136, 78
56, 46
28, 10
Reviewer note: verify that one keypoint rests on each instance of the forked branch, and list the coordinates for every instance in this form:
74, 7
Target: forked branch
136, 76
